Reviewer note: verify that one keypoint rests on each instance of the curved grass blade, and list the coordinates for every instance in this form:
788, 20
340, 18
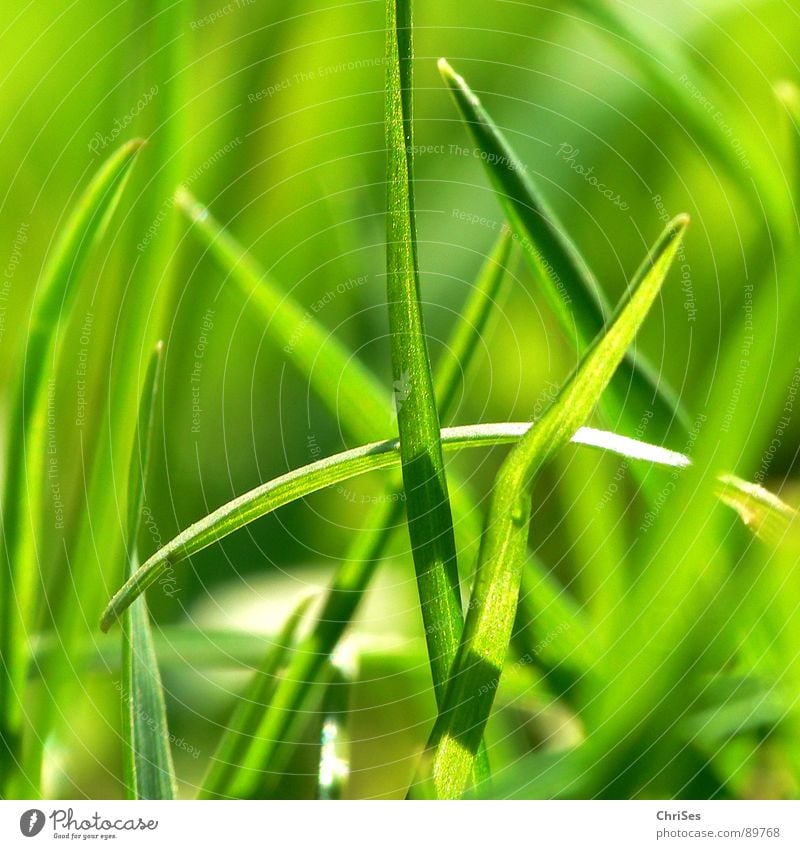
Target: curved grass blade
430, 522
264, 499
470, 693
148, 768
348, 389
241, 747
570, 286
23, 495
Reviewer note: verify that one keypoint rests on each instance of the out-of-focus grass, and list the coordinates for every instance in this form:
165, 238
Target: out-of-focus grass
276, 122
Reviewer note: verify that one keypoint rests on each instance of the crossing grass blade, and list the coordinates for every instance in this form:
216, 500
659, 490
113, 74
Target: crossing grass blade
148, 768
568, 283
375, 456
243, 749
24, 497
470, 693
348, 389
430, 522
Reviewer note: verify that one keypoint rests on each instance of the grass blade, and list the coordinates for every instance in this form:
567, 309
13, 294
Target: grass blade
296, 484
23, 497
470, 693
242, 746
430, 523
149, 772
348, 389
570, 286
789, 95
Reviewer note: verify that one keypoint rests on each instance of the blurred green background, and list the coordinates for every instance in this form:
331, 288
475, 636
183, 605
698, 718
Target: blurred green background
277, 110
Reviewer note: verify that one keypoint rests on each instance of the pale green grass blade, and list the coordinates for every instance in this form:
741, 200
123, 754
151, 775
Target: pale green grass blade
473, 324
470, 693
24, 496
352, 578
567, 281
245, 739
430, 522
147, 758
348, 389
691, 98
789, 96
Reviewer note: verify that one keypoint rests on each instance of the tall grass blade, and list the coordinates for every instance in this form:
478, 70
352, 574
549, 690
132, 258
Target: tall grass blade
430, 523
568, 283
244, 745
789, 96
470, 693
149, 771
24, 494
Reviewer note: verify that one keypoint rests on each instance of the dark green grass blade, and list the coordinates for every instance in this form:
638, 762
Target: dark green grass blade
23, 496
570, 286
430, 523
244, 745
470, 693
348, 389
149, 772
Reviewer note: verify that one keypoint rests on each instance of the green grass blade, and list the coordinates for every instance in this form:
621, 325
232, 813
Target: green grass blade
149, 772
789, 95
470, 693
568, 283
242, 745
473, 324
348, 389
24, 497
430, 523
375, 456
